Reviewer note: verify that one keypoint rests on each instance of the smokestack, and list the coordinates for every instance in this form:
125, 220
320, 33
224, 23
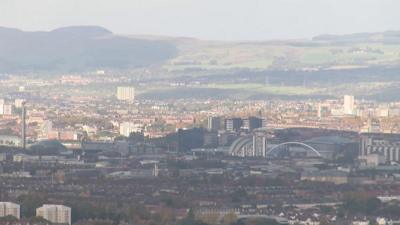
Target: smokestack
23, 126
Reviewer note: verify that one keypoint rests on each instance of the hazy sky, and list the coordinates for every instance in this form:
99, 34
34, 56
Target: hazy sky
208, 19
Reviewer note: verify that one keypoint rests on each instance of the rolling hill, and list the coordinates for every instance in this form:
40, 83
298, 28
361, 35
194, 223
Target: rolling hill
321, 52
77, 49
84, 48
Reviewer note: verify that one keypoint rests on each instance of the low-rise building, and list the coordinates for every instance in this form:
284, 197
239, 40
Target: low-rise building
332, 176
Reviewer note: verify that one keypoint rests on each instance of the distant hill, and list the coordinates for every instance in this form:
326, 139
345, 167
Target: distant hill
388, 37
85, 48
79, 48
358, 50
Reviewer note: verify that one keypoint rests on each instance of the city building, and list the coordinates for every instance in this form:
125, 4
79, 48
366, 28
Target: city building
323, 110
387, 145
331, 176
18, 103
64, 135
6, 109
213, 123
348, 104
9, 209
190, 138
59, 214
233, 124
371, 126
252, 123
126, 128
10, 140
211, 138
371, 159
126, 93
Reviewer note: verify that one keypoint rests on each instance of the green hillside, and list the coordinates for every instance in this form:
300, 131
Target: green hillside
348, 51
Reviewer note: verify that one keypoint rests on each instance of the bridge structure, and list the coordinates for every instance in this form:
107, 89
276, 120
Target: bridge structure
282, 146
247, 147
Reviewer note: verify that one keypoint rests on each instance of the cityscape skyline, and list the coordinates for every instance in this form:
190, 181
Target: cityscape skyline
187, 112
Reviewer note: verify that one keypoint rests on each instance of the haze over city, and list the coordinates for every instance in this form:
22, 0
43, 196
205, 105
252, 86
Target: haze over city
183, 112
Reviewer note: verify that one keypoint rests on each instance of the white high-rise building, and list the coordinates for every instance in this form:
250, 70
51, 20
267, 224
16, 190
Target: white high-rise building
126, 93
60, 214
9, 209
348, 105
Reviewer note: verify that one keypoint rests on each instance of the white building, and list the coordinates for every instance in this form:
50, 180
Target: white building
19, 102
5, 109
348, 105
100, 72
126, 93
360, 222
9, 209
126, 128
55, 213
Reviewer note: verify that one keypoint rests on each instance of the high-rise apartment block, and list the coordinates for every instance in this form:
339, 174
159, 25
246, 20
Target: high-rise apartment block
348, 105
9, 209
59, 214
126, 93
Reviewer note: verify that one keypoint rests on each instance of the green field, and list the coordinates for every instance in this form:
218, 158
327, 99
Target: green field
259, 88
217, 55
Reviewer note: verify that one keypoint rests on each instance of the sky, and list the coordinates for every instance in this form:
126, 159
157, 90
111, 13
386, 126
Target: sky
208, 19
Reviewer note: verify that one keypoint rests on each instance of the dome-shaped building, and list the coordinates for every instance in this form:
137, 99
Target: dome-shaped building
47, 147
